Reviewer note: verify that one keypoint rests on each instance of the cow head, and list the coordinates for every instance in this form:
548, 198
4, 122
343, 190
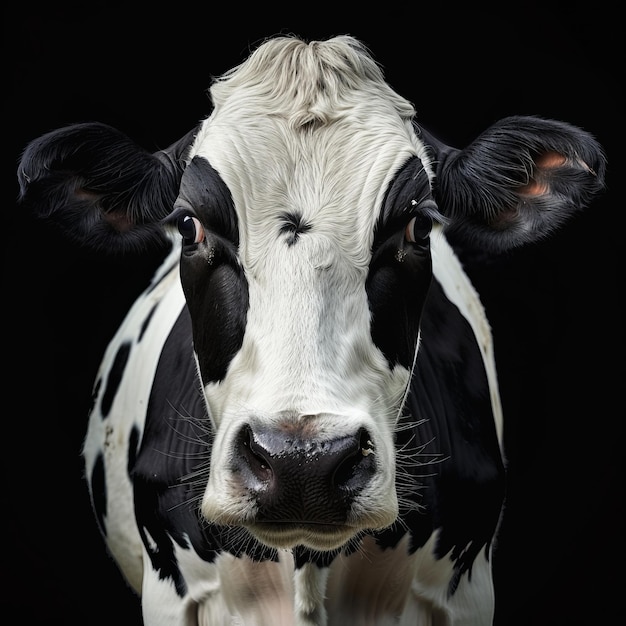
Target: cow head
305, 211
305, 205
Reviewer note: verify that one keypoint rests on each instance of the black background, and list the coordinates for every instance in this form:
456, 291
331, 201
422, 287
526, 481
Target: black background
556, 308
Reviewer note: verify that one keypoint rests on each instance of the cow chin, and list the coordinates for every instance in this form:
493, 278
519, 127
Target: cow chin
287, 533
322, 537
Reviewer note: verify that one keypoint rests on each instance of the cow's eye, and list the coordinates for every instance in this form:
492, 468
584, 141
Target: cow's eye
191, 229
418, 229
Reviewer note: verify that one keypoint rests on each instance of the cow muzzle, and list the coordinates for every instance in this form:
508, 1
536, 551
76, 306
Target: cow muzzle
302, 485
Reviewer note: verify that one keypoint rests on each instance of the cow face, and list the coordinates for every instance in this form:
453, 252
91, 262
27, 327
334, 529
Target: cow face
305, 216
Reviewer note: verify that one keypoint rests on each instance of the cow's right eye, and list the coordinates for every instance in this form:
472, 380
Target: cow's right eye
191, 229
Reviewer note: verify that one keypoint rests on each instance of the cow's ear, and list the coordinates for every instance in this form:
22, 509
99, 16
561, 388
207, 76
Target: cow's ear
99, 187
520, 180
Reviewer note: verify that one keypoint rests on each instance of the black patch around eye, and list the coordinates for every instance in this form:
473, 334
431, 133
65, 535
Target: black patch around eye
206, 195
293, 225
409, 186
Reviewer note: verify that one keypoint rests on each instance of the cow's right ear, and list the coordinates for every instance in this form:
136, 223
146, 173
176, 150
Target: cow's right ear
100, 188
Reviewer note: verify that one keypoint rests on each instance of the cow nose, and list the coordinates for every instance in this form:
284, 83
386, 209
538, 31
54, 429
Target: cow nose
295, 478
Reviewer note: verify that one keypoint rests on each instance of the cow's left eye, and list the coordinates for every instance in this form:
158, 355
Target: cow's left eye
418, 229
191, 229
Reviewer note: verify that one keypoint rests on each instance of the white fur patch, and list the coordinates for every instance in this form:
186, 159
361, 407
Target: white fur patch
327, 155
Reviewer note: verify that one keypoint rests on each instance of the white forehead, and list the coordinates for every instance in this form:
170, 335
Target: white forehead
311, 129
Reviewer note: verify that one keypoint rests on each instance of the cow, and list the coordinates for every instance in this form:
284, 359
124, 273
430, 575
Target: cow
298, 420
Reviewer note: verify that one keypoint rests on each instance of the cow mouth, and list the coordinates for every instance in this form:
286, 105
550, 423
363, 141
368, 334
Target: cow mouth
317, 536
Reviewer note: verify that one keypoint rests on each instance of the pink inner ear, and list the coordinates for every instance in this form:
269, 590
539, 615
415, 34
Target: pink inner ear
534, 188
547, 161
504, 219
119, 221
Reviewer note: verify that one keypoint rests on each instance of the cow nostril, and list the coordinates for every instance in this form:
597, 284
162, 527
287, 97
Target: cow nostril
252, 453
355, 469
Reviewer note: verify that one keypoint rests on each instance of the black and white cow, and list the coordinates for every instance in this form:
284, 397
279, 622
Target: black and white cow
298, 422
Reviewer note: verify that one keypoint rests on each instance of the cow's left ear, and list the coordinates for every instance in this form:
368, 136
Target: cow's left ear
520, 180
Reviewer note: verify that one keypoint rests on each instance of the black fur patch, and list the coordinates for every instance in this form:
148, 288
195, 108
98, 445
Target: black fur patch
115, 378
